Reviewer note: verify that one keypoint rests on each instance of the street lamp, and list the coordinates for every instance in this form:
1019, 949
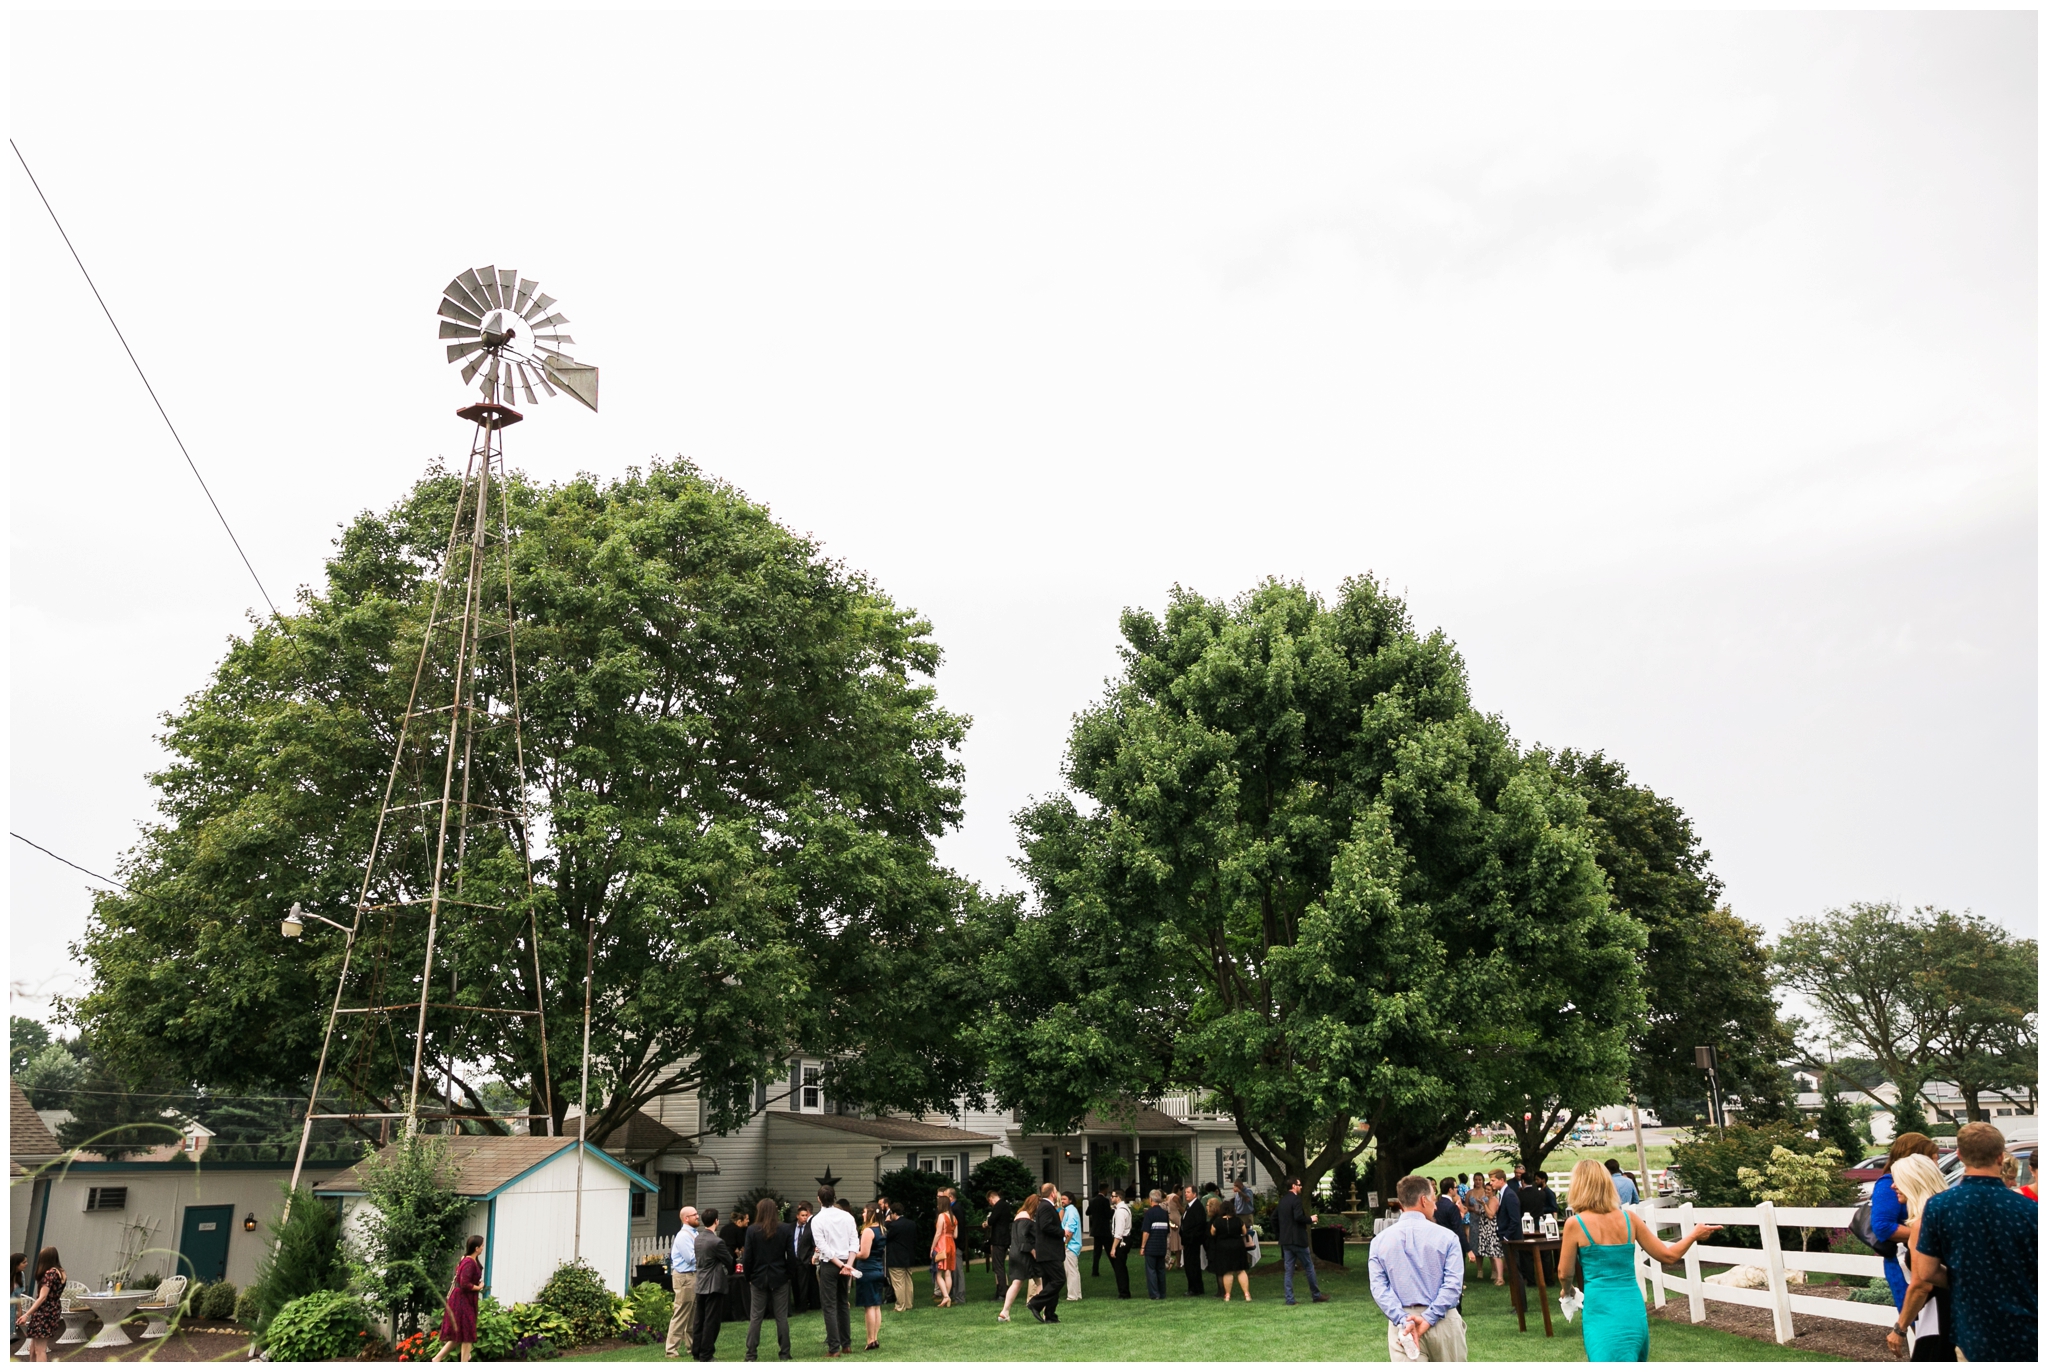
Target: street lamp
1707, 1060
295, 923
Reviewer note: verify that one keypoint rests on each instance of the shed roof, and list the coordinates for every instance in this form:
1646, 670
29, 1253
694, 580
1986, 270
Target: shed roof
641, 1133
27, 1135
485, 1164
890, 1130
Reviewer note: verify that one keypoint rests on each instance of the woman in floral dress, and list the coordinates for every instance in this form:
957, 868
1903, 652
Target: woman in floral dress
1483, 1203
43, 1320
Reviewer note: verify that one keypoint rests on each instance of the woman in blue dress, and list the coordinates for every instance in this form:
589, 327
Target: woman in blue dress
1888, 1210
1601, 1238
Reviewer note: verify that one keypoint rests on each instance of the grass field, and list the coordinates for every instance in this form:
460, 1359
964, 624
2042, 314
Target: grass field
1184, 1329
1559, 1164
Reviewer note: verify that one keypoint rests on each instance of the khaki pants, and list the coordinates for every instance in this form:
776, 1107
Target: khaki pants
679, 1323
899, 1282
1444, 1343
1073, 1275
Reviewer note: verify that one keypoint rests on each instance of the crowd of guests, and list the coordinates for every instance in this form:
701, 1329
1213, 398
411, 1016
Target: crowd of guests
1960, 1260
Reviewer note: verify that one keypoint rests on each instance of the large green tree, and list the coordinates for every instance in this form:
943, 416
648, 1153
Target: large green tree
1309, 881
1924, 996
736, 768
1705, 972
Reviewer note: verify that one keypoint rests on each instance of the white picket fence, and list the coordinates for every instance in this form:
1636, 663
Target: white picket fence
1776, 1297
647, 1247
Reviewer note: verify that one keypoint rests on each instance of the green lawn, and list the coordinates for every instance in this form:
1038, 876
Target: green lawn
1181, 1329
1559, 1164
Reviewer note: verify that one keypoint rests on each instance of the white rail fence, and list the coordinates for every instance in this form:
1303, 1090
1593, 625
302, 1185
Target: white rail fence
1777, 1295
648, 1247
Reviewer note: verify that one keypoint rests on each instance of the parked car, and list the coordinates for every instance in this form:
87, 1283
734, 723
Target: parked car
2022, 1137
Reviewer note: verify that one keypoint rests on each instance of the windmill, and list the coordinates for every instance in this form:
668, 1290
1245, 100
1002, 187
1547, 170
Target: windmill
451, 848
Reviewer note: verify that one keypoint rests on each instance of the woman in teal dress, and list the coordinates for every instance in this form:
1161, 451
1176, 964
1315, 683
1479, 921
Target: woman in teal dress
1601, 1237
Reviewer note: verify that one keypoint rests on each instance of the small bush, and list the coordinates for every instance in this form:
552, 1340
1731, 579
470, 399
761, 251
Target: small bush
1877, 1293
307, 1256
246, 1310
319, 1328
653, 1304
579, 1295
496, 1335
220, 1301
195, 1299
531, 1320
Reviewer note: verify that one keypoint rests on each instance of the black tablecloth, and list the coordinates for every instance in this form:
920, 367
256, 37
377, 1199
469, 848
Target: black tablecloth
1327, 1243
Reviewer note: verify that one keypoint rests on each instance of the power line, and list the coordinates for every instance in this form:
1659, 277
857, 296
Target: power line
69, 863
152, 395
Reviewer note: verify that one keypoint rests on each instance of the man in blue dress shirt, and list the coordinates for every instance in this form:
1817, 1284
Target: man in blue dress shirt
1418, 1276
682, 1277
1624, 1184
1988, 1238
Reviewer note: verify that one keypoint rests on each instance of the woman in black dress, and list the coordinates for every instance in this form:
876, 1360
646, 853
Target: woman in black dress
1227, 1256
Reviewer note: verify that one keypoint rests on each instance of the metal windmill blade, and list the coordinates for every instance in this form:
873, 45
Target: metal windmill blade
506, 335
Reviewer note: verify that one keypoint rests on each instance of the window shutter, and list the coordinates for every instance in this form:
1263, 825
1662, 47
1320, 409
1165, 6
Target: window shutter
1219, 1167
963, 1169
760, 1096
796, 1085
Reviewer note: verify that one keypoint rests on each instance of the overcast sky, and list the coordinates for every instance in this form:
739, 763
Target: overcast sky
1681, 369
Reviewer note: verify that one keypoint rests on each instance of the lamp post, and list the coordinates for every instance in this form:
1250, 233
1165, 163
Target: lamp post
294, 925
1707, 1061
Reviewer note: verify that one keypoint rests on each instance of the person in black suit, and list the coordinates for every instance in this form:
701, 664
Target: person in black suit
803, 1276
997, 1234
714, 1280
1099, 1212
767, 1258
1194, 1238
1294, 1223
1539, 1200
1049, 1256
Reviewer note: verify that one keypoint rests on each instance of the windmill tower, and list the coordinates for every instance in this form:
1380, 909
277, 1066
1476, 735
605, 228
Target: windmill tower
448, 880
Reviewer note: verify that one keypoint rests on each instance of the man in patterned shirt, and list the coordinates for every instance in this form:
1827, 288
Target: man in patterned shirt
1986, 1236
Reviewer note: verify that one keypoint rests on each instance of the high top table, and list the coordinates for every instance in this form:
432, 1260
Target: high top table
1536, 1248
112, 1307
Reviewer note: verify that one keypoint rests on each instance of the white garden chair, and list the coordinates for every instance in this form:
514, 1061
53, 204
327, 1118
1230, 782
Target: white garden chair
76, 1314
162, 1304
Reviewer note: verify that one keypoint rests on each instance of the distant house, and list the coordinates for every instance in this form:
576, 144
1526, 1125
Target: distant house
797, 1135
522, 1192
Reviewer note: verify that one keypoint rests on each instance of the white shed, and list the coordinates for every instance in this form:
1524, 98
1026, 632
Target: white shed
523, 1194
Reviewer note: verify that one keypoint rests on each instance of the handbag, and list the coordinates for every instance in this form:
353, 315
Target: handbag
1859, 1225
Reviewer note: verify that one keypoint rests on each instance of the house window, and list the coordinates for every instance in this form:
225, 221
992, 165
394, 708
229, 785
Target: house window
812, 1101
1234, 1164
947, 1163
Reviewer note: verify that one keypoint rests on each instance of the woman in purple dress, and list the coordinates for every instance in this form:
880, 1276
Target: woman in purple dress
458, 1326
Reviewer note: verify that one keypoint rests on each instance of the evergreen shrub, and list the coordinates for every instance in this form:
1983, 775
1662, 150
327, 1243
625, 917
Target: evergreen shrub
319, 1328
579, 1295
307, 1257
220, 1301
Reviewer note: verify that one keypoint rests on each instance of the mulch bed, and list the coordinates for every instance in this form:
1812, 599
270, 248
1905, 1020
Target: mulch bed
1843, 1338
200, 1341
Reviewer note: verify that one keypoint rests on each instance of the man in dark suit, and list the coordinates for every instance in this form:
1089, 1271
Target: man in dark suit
1049, 1256
1293, 1223
997, 1233
1510, 1221
1194, 1238
1099, 1211
714, 1277
803, 1277
1539, 1200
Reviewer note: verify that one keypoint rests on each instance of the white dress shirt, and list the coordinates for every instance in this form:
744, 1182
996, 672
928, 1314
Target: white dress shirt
835, 1234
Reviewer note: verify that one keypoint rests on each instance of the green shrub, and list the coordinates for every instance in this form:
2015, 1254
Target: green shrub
195, 1299
1877, 1293
579, 1295
307, 1257
532, 1320
653, 1304
246, 1313
319, 1328
412, 1230
220, 1301
496, 1333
